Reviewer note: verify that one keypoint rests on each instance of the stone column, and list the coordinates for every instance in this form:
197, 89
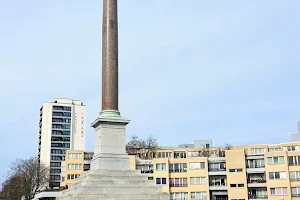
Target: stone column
110, 127
110, 56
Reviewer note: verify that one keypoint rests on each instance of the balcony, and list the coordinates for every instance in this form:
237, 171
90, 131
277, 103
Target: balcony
177, 170
256, 168
217, 171
217, 186
258, 197
178, 185
257, 183
147, 171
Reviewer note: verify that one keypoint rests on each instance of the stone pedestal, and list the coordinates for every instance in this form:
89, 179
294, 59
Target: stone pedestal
110, 177
110, 142
113, 185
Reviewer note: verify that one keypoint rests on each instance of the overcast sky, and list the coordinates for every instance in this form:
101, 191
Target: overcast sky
221, 70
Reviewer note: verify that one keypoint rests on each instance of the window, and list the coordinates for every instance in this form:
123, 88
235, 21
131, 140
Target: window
217, 166
58, 151
61, 139
236, 170
63, 145
55, 171
178, 182
73, 176
161, 166
164, 154
295, 191
181, 167
294, 160
75, 156
198, 180
55, 164
57, 157
275, 160
274, 149
217, 181
198, 195
236, 185
193, 154
295, 176
74, 166
291, 148
277, 175
59, 126
55, 177
179, 155
258, 151
179, 196
197, 165
214, 152
160, 181
278, 191
259, 163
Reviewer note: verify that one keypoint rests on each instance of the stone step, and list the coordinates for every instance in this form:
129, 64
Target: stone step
118, 190
113, 183
163, 196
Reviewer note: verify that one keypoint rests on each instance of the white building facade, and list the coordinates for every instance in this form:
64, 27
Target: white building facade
62, 127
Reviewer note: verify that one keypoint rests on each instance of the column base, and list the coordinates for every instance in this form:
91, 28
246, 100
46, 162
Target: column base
110, 162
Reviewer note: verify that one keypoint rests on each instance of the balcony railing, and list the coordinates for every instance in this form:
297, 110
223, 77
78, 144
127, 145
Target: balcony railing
257, 181
216, 169
295, 195
293, 164
295, 179
217, 184
179, 199
256, 166
258, 196
177, 170
147, 171
178, 185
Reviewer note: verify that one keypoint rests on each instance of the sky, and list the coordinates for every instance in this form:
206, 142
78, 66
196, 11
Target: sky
221, 70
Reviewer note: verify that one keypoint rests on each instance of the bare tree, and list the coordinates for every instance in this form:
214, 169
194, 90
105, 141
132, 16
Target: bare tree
134, 145
228, 146
145, 149
203, 152
11, 189
28, 176
222, 150
150, 147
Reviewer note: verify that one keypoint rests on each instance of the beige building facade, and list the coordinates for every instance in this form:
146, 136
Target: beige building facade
244, 172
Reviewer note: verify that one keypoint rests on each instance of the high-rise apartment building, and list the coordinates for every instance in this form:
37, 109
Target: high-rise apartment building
61, 128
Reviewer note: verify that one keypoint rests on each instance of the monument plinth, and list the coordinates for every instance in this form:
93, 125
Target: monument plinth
110, 177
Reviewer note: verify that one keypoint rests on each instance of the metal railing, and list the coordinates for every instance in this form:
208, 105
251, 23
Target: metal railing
177, 170
147, 171
217, 184
178, 185
258, 196
216, 169
256, 166
295, 179
257, 181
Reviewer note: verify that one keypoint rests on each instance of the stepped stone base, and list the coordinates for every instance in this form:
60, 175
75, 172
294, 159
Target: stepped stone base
113, 185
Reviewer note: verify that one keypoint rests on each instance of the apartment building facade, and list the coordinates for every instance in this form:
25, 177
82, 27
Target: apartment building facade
244, 172
249, 172
61, 128
77, 162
